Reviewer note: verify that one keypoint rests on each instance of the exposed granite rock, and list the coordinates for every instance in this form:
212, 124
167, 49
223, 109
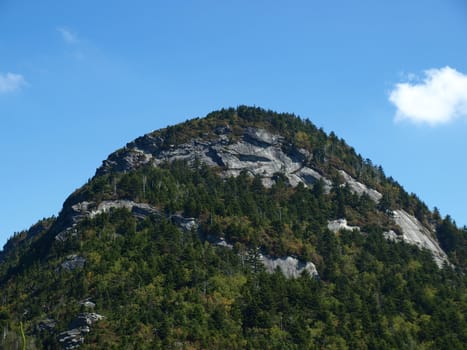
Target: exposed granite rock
88, 304
147, 143
126, 160
142, 210
257, 152
413, 232
340, 224
261, 137
310, 177
71, 339
392, 236
47, 325
89, 209
66, 234
192, 151
85, 319
186, 224
85, 209
359, 188
274, 160
73, 262
289, 266
82, 210
78, 328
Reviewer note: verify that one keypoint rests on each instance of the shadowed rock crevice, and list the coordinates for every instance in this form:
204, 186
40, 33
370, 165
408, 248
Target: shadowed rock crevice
252, 158
251, 139
212, 153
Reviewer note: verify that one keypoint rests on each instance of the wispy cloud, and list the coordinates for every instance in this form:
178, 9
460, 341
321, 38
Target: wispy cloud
437, 98
10, 82
75, 44
68, 35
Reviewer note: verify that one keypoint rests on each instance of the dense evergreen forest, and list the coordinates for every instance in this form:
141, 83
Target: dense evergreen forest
160, 286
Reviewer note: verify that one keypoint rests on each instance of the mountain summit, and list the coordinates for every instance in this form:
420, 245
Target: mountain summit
244, 229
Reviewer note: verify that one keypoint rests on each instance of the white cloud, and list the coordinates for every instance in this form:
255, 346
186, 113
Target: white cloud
10, 82
440, 97
67, 35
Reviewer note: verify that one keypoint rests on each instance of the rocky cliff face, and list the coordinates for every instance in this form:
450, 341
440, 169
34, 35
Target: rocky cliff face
257, 152
359, 188
291, 267
150, 247
413, 232
260, 153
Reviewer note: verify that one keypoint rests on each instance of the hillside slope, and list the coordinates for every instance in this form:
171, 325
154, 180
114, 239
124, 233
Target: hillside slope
243, 229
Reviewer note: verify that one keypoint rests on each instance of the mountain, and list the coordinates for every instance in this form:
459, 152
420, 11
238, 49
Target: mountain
244, 229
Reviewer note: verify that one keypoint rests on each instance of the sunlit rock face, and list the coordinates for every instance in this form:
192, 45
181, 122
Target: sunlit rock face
257, 152
289, 266
359, 188
413, 232
340, 224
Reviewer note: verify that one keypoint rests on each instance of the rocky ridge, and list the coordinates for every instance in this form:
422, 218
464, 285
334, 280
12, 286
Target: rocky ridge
123, 263
340, 224
291, 267
81, 325
259, 153
413, 232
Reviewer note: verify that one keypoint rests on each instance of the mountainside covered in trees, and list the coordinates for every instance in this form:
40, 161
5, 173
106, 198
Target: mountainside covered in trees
245, 229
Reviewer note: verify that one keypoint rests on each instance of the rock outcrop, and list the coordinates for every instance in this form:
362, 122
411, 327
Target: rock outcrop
91, 209
257, 152
78, 328
291, 267
359, 188
82, 210
413, 232
73, 262
340, 224
186, 224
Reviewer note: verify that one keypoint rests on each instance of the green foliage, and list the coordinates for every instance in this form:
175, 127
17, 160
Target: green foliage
160, 287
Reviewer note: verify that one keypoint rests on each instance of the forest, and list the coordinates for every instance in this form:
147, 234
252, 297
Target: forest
158, 286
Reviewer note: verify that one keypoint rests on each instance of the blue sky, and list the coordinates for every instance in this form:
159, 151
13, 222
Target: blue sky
79, 79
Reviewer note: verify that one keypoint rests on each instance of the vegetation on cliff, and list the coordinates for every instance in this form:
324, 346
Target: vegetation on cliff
161, 286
